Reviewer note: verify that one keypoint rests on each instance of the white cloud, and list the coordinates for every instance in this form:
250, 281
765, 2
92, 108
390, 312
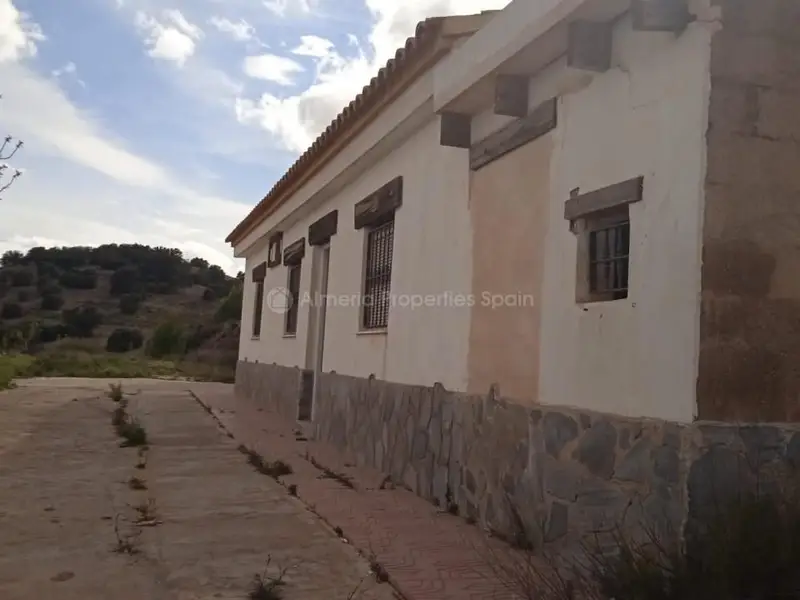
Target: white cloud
271, 67
312, 45
85, 186
297, 120
241, 31
283, 8
174, 40
68, 68
37, 110
177, 18
18, 34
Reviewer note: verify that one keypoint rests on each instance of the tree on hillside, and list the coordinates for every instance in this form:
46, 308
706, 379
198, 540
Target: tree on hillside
12, 258
125, 280
82, 321
7, 151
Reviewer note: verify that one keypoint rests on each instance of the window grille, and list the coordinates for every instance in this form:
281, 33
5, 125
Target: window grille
378, 277
609, 250
258, 308
290, 326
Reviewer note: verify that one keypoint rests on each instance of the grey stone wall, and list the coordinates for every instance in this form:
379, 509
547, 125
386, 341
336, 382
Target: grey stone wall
272, 387
552, 473
728, 460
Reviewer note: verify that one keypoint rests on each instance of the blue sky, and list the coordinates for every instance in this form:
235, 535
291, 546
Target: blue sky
164, 121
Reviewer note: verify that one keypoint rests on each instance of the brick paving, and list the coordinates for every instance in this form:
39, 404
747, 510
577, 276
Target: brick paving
428, 554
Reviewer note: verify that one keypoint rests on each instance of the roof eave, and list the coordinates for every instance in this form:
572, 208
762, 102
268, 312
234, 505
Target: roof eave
434, 38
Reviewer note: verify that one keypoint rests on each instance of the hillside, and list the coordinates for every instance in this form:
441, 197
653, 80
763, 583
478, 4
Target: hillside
118, 310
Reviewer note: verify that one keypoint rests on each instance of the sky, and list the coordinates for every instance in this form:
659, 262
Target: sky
163, 122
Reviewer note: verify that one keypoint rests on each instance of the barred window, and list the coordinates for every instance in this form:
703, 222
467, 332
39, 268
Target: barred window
609, 249
258, 308
293, 287
378, 277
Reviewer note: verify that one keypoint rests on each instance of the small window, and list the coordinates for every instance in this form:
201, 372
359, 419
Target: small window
609, 247
293, 287
603, 255
275, 250
378, 277
600, 219
258, 308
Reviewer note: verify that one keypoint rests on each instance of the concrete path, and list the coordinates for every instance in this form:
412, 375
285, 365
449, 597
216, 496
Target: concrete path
427, 553
65, 483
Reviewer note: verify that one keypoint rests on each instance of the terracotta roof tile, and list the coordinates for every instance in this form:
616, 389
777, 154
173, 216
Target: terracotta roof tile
426, 34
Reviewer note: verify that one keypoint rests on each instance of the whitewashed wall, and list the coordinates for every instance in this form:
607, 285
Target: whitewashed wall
431, 256
647, 116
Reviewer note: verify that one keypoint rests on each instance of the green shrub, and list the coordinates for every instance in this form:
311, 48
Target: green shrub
129, 304
200, 334
168, 340
22, 278
124, 340
125, 280
162, 288
52, 302
209, 295
49, 287
82, 321
13, 366
11, 310
231, 307
47, 271
52, 332
79, 279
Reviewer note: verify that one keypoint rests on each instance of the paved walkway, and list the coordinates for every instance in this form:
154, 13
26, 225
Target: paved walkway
428, 555
65, 482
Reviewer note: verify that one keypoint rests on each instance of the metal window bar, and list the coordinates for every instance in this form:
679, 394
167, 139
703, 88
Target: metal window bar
609, 250
378, 277
258, 308
294, 299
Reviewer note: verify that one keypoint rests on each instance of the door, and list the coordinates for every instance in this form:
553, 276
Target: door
316, 331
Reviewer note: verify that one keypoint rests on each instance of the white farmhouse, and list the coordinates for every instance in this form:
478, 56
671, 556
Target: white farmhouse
585, 203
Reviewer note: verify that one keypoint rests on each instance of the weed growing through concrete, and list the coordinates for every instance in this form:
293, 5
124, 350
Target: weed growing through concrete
327, 473
133, 433
115, 392
119, 416
275, 469
146, 511
142, 457
126, 426
127, 543
137, 484
380, 572
266, 587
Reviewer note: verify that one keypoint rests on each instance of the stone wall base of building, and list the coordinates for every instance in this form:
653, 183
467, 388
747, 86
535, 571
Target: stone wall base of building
551, 474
